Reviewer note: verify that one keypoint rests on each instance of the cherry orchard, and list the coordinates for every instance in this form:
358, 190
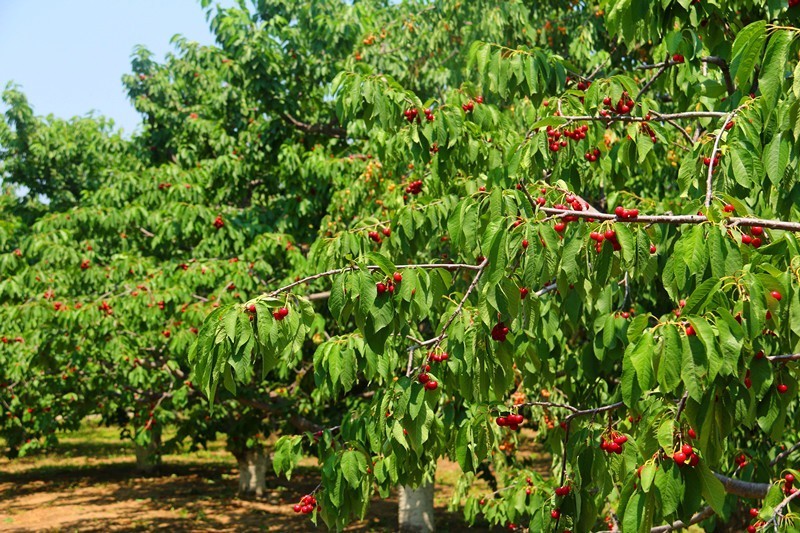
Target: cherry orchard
602, 242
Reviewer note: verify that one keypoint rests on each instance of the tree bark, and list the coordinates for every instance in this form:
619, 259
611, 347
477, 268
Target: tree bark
253, 465
148, 457
415, 510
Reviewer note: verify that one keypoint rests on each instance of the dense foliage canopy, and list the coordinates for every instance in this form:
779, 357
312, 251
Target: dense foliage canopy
410, 230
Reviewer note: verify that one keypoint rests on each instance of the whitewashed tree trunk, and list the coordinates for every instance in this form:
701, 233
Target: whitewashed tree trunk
415, 511
148, 457
253, 465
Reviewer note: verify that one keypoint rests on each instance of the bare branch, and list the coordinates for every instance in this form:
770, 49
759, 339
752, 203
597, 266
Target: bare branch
783, 358
680, 524
662, 116
709, 183
331, 130
783, 455
744, 489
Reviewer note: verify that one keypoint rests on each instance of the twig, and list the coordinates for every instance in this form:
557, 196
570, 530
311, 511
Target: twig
680, 524
777, 512
652, 80
147, 233
783, 455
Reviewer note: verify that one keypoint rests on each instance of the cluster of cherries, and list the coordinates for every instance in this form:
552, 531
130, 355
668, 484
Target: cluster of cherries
85, 264
376, 237
281, 313
218, 222
576, 135
626, 214
415, 187
510, 421
106, 308
470, 104
707, 160
686, 456
500, 332
788, 489
437, 357
613, 443
647, 130
754, 239
592, 155
622, 107
741, 459
609, 235
425, 379
307, 504
165, 185
389, 284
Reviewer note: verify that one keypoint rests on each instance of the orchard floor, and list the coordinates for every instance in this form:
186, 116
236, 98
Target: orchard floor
88, 484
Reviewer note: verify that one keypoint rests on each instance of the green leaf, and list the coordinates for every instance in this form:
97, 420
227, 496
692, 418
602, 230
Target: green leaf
712, 488
772, 70
747, 51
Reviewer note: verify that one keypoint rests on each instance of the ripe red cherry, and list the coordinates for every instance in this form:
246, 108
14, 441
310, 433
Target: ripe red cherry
381, 287
690, 330
525, 243
619, 211
559, 226
284, 312
387, 231
555, 514
751, 529
397, 277
251, 308
679, 458
776, 295
746, 239
610, 234
757, 230
756, 242
652, 248
431, 385
692, 433
423, 378
687, 449
782, 388
297, 508
523, 292
789, 478
678, 58
620, 439
729, 208
753, 512
501, 421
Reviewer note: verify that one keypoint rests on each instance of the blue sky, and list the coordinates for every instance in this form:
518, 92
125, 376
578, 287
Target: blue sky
69, 56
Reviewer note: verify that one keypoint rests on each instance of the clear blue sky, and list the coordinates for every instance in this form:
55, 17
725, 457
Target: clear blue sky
69, 55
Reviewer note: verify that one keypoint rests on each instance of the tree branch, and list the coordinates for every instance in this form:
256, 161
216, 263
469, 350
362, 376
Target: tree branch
783, 358
676, 219
662, 116
372, 268
331, 130
679, 524
783, 455
744, 489
709, 184
726, 72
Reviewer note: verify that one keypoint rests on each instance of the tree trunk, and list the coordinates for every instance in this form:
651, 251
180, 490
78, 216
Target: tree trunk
415, 511
253, 465
148, 457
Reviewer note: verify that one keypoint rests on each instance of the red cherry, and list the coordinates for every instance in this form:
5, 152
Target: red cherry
757, 230
397, 277
501, 421
381, 287
776, 295
687, 449
746, 239
431, 385
679, 458
297, 508
652, 248
748, 382
525, 243
678, 58
694, 459
610, 234
756, 242
523, 292
284, 312
751, 529
619, 211
690, 330
789, 478
782, 388
729, 208
753, 512
559, 226
692, 434
555, 514
423, 378
620, 439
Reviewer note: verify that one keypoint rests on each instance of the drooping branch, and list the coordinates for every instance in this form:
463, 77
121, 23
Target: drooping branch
712, 60
777, 513
676, 219
372, 268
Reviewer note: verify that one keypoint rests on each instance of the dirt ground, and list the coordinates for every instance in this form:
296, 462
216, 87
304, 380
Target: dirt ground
88, 484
